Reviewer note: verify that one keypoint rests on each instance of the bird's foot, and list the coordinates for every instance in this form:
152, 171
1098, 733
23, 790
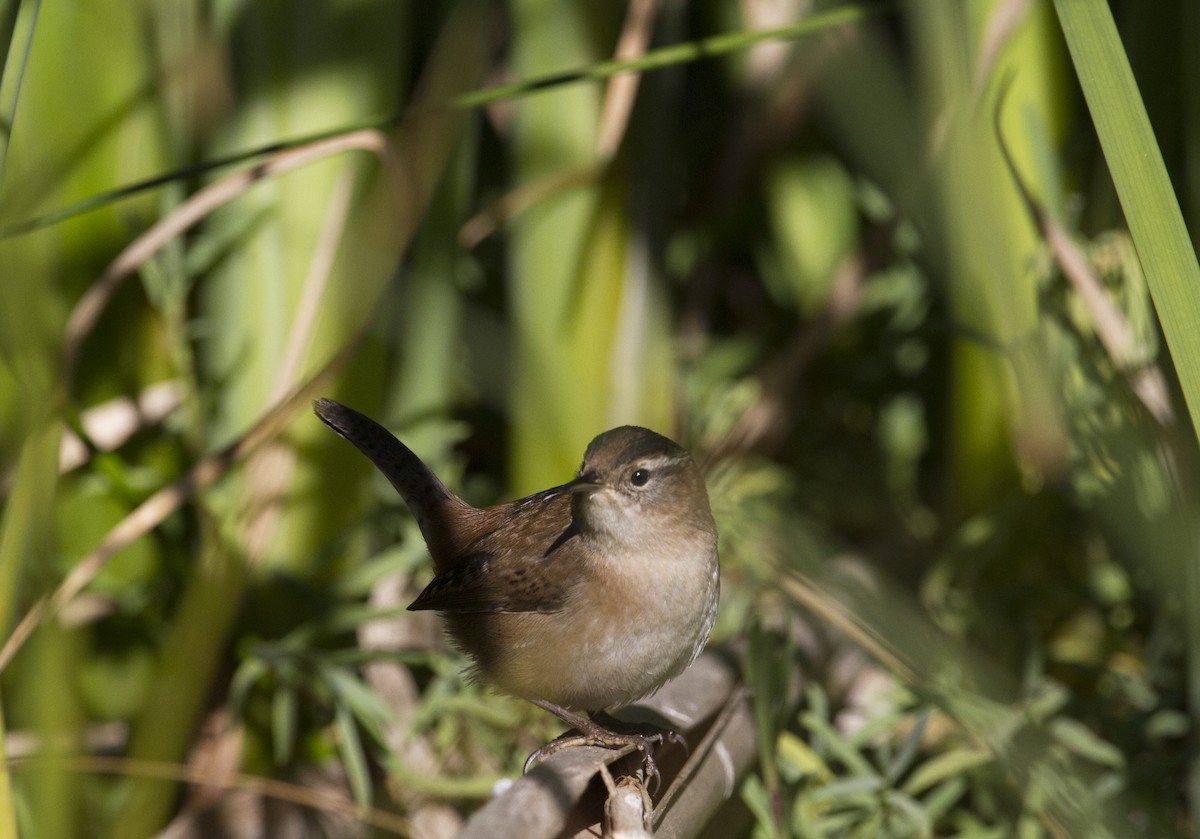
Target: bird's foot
609, 734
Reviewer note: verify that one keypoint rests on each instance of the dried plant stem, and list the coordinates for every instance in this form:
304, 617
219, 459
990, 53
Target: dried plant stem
95, 300
151, 512
268, 787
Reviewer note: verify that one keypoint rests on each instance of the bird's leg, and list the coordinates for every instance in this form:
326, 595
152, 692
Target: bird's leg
609, 733
613, 725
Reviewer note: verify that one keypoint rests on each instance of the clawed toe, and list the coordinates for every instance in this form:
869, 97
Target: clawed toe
610, 734
677, 738
565, 742
609, 739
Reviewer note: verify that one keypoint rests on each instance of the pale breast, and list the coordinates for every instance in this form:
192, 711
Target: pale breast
630, 625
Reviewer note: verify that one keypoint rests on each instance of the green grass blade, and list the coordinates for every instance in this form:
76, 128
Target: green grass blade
1143, 187
1159, 235
354, 758
13, 66
190, 656
8, 823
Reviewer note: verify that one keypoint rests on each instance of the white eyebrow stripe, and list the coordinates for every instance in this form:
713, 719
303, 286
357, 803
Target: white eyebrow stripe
657, 462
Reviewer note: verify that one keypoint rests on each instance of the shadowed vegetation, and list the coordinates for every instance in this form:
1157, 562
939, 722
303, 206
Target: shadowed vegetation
911, 280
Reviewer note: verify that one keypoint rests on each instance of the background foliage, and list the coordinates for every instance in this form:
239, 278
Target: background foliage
875, 273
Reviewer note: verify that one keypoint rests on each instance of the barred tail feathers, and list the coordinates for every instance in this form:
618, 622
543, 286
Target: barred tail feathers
431, 503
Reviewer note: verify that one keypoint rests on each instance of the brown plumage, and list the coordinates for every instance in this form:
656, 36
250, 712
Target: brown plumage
589, 595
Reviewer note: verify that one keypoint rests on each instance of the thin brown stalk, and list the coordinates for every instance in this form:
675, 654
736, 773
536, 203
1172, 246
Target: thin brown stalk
1112, 327
95, 300
550, 799
626, 809
151, 512
764, 422
268, 787
269, 470
808, 593
719, 740
1001, 24
622, 88
516, 201
315, 283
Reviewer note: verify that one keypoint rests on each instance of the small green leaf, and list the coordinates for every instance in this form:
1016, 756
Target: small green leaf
283, 724
911, 810
768, 685
908, 751
1048, 699
1080, 740
1167, 723
1141, 180
366, 706
244, 680
849, 788
813, 211
944, 796
758, 802
948, 765
836, 743
354, 759
797, 759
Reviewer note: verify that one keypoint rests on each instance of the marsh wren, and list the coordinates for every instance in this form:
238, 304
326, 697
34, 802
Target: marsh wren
584, 597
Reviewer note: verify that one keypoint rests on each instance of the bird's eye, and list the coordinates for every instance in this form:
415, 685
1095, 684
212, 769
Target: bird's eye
640, 477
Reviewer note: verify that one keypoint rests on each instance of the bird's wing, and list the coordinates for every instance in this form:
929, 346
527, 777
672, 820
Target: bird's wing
484, 583
524, 565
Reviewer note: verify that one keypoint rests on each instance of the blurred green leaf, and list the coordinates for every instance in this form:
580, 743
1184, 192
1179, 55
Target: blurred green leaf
910, 810
942, 798
1141, 180
797, 760
836, 745
908, 751
354, 759
860, 788
812, 209
948, 765
1079, 739
358, 700
758, 801
283, 723
963, 468
768, 684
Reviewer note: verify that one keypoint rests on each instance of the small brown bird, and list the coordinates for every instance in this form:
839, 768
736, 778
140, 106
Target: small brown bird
587, 596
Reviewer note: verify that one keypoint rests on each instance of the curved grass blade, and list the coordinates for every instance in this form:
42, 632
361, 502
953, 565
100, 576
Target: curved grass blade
1142, 183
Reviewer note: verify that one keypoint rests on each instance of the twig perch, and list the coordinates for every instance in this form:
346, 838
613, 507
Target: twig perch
705, 704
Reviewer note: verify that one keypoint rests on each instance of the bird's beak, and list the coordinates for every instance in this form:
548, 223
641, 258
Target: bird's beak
584, 483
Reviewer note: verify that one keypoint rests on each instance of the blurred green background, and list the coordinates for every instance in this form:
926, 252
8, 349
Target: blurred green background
875, 273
